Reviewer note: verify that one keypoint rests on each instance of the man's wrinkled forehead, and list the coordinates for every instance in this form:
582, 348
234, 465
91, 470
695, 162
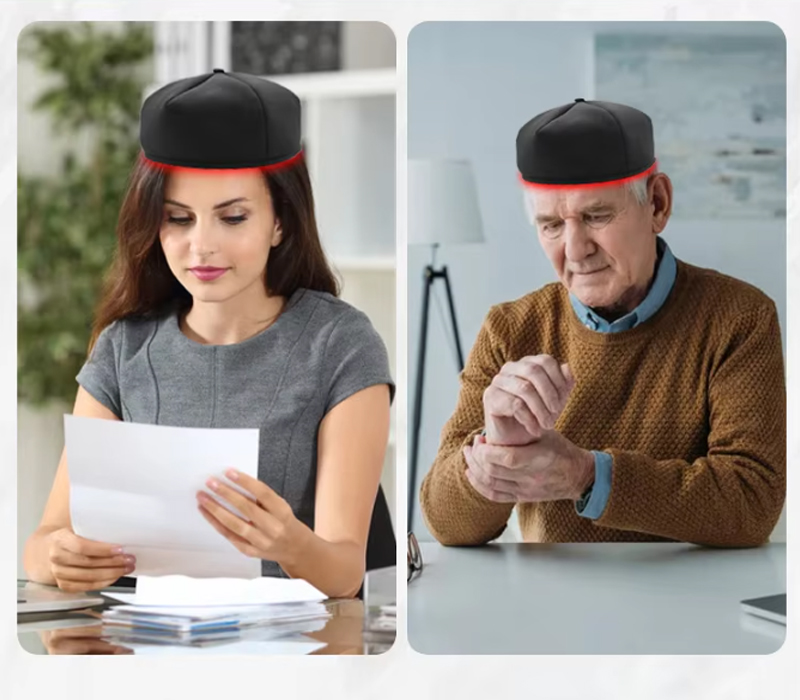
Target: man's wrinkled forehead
568, 201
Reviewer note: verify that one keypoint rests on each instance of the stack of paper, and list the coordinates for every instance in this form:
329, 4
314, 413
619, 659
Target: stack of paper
185, 609
120, 634
196, 620
269, 647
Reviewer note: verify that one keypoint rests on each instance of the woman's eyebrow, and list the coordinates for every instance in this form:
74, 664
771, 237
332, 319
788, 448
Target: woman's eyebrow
221, 205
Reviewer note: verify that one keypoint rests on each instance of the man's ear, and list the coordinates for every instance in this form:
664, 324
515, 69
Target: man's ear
660, 191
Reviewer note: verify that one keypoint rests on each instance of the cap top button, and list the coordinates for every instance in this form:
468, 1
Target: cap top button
218, 70
580, 99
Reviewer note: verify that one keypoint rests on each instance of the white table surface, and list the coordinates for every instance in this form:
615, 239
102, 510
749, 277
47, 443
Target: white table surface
621, 598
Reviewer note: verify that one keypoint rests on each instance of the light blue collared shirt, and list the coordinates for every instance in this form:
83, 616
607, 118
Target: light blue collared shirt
593, 506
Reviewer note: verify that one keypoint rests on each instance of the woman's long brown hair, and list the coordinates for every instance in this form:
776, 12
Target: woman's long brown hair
139, 281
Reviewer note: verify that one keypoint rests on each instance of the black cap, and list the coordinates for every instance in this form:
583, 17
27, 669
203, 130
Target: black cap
221, 120
585, 142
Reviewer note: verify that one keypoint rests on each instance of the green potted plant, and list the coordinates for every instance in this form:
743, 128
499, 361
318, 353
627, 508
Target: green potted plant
66, 220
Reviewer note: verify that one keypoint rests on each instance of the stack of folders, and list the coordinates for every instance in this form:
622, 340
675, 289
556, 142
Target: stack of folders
178, 609
191, 624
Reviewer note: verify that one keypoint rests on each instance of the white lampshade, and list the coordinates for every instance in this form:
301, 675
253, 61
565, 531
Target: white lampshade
442, 203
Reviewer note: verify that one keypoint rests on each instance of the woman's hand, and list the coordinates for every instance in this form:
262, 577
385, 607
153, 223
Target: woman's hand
270, 531
78, 564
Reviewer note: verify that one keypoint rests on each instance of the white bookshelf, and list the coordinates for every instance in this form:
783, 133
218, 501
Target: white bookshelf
347, 84
349, 138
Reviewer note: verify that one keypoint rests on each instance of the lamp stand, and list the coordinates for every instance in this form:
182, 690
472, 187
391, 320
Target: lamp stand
429, 277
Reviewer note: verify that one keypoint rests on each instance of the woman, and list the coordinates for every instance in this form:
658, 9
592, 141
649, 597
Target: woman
220, 310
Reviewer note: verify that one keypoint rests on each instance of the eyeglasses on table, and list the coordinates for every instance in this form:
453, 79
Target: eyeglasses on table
414, 558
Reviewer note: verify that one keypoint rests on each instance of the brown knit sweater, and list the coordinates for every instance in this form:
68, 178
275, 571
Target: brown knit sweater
691, 405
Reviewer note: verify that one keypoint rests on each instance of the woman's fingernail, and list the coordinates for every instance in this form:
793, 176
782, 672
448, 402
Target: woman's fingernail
213, 484
202, 496
232, 474
117, 550
129, 568
130, 559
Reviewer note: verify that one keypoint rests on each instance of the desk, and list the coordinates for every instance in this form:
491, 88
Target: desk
79, 633
627, 598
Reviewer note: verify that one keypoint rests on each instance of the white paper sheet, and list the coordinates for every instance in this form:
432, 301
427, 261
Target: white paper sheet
180, 591
203, 612
188, 618
135, 485
271, 648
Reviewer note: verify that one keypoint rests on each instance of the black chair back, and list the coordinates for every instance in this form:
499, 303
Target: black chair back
381, 544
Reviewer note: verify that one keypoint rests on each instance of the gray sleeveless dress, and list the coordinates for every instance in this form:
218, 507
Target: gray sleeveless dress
283, 381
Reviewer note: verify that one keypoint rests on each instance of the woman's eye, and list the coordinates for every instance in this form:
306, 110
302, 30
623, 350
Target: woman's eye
179, 220
233, 220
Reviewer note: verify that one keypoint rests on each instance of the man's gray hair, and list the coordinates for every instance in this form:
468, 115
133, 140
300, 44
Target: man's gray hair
638, 188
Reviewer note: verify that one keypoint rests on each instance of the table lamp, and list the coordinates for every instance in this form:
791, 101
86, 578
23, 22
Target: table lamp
442, 208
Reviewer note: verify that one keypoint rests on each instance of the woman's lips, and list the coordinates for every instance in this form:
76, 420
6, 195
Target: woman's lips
207, 274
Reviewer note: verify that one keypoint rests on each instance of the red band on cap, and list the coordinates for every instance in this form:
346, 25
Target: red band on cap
605, 183
289, 162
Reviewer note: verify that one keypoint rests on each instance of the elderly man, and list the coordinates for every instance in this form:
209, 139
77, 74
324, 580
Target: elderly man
641, 398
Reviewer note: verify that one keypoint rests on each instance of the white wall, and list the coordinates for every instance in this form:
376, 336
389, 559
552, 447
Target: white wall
367, 45
471, 86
